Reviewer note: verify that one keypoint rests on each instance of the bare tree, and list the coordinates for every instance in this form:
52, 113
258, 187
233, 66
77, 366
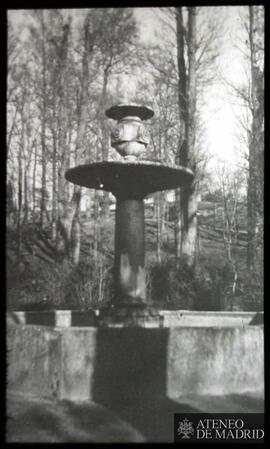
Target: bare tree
196, 44
186, 204
248, 97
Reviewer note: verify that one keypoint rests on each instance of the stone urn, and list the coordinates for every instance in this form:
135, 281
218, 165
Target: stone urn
129, 137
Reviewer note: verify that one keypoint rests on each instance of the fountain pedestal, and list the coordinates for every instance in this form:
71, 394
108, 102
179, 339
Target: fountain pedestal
129, 253
130, 180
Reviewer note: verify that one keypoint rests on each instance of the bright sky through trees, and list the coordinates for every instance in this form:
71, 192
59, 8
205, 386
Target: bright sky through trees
220, 115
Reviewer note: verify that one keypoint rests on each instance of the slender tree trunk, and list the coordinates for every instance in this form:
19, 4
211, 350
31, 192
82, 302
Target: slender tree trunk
75, 202
251, 209
20, 195
158, 217
66, 210
27, 161
26, 200
43, 133
43, 178
54, 188
105, 205
12, 130
177, 225
34, 181
181, 158
96, 225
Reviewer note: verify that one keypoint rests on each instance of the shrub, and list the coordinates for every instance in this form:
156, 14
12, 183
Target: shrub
213, 288
89, 285
251, 293
174, 286
169, 285
55, 286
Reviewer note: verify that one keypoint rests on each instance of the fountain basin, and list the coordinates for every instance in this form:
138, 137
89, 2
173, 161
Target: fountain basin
129, 179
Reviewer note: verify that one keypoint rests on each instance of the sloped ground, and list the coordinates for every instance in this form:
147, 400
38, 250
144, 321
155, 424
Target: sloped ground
39, 421
36, 420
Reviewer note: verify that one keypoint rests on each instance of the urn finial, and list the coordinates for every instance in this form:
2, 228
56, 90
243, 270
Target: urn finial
129, 137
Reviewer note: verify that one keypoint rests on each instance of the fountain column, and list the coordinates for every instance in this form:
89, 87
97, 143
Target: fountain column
129, 253
130, 139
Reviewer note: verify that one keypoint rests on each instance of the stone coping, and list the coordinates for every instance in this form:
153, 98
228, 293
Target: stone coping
208, 313
163, 318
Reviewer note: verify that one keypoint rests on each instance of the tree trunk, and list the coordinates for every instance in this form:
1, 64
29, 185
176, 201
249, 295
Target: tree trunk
82, 121
12, 130
177, 225
186, 211
256, 149
20, 194
26, 206
96, 226
158, 218
69, 226
34, 181
181, 158
105, 204
54, 188
64, 226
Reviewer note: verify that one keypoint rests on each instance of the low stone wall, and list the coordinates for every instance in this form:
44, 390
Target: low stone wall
102, 364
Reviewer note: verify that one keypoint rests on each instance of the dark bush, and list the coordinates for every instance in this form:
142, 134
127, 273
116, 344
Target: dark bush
170, 286
174, 286
55, 286
251, 294
213, 288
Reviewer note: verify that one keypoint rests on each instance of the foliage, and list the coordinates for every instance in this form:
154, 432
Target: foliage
60, 287
173, 287
251, 293
176, 287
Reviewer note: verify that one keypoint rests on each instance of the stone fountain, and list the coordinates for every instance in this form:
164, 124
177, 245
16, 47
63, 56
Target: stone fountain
62, 368
130, 180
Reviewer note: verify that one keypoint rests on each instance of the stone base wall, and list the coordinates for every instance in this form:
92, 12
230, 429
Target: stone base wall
101, 364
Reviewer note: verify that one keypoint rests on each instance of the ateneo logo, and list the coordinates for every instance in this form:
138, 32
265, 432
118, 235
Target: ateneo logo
185, 428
